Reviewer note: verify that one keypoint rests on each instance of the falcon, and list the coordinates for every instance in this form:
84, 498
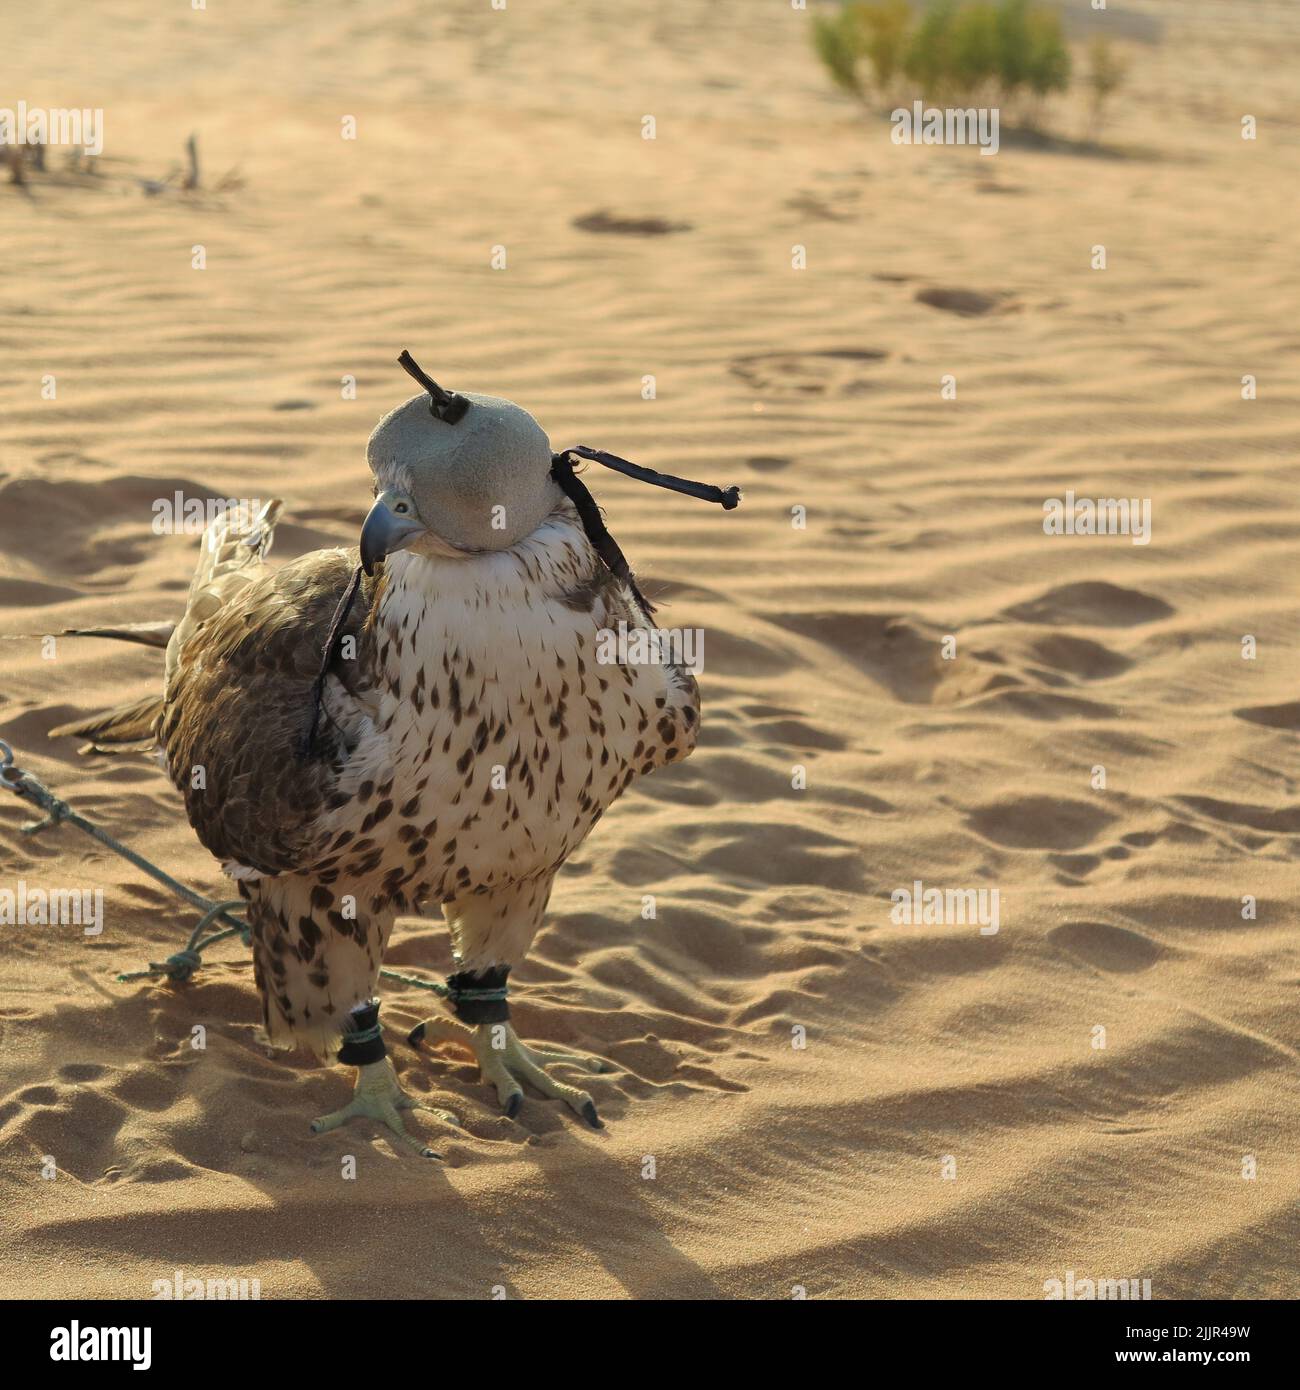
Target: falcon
425, 718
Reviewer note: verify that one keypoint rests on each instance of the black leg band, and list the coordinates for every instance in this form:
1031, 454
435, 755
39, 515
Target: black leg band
364, 1041
479, 997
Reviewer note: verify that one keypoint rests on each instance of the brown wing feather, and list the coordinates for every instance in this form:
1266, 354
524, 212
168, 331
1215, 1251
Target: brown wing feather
239, 706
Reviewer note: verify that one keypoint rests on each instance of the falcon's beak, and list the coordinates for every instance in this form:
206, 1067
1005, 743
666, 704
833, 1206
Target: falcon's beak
391, 525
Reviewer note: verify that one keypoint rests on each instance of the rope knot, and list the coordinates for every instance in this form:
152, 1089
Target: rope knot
180, 966
56, 811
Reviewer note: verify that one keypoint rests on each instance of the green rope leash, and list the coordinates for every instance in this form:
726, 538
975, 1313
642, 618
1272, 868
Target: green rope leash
30, 788
183, 964
434, 985
500, 992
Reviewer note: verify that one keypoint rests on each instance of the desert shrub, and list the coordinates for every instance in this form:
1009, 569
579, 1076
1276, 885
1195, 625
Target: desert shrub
838, 44
876, 30
883, 27
973, 48
954, 49
1106, 73
1013, 45
1048, 68
929, 61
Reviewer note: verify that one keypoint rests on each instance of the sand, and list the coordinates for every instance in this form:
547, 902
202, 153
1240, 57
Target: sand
951, 1127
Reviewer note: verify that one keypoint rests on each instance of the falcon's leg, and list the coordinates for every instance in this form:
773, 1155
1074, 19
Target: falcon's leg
489, 932
312, 962
506, 1063
378, 1095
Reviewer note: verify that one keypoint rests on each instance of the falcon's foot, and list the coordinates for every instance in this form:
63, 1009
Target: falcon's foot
507, 1063
379, 1097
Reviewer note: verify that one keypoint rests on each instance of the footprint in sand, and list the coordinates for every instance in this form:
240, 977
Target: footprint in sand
968, 304
798, 735
1091, 603
774, 853
1046, 705
78, 1123
767, 463
1074, 866
609, 223
839, 206
832, 371
1039, 822
889, 650
81, 1071
1117, 949
1078, 657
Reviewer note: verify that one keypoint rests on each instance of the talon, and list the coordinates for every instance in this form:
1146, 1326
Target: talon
379, 1097
416, 1035
510, 1064
405, 1102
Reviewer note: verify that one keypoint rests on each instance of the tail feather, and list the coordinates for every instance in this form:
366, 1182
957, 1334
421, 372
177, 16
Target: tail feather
147, 634
127, 727
231, 554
